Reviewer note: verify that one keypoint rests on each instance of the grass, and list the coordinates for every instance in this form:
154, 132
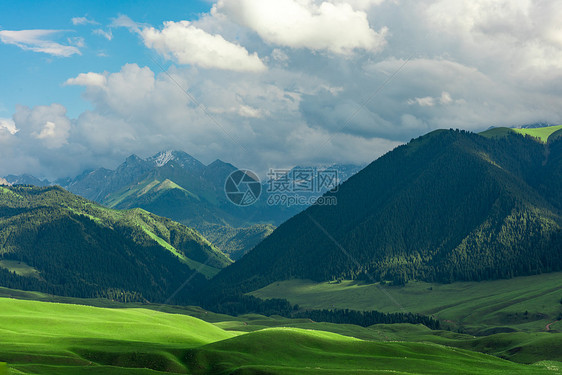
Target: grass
523, 303
298, 351
544, 134
524, 347
204, 269
496, 132
55, 338
19, 268
540, 133
50, 335
143, 188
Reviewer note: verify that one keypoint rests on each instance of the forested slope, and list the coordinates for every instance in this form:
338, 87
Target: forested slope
84, 250
450, 205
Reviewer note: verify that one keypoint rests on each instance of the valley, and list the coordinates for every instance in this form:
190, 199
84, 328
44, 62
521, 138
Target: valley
418, 269
281, 187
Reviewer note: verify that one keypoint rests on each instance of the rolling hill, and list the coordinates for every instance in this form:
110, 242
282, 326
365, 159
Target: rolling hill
56, 242
448, 206
56, 338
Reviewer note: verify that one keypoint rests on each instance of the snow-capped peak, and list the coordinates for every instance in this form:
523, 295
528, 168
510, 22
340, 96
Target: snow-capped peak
162, 158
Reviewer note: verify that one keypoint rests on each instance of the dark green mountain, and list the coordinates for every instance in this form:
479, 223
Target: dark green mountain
70, 246
450, 205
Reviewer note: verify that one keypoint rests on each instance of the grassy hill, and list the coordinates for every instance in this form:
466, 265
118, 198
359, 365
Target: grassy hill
448, 206
54, 241
543, 134
48, 338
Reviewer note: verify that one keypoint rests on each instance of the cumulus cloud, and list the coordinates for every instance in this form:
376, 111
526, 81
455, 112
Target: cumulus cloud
47, 124
335, 27
190, 45
7, 131
38, 41
48, 131
87, 79
497, 33
326, 96
8, 126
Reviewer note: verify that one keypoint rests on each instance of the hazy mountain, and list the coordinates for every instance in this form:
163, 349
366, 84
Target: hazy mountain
176, 185
74, 247
447, 206
26, 179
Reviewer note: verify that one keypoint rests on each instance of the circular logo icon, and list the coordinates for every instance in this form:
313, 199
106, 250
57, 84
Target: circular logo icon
242, 187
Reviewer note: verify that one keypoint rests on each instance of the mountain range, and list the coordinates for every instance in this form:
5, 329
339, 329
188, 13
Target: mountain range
56, 242
448, 206
176, 185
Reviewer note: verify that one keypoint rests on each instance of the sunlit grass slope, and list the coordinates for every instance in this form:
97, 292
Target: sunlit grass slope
47, 338
53, 338
544, 134
541, 133
297, 351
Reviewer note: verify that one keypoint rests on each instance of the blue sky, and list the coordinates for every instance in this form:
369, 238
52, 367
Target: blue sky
265, 83
32, 78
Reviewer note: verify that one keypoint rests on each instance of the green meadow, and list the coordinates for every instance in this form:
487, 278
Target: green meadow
56, 338
526, 303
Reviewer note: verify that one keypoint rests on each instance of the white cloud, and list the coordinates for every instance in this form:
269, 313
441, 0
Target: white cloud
106, 34
429, 101
335, 27
7, 131
191, 45
8, 126
426, 101
326, 96
445, 98
48, 131
37, 41
359, 4
47, 124
87, 79
77, 41
500, 32
124, 21
83, 21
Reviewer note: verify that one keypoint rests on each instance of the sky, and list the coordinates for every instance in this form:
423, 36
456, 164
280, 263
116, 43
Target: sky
265, 83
